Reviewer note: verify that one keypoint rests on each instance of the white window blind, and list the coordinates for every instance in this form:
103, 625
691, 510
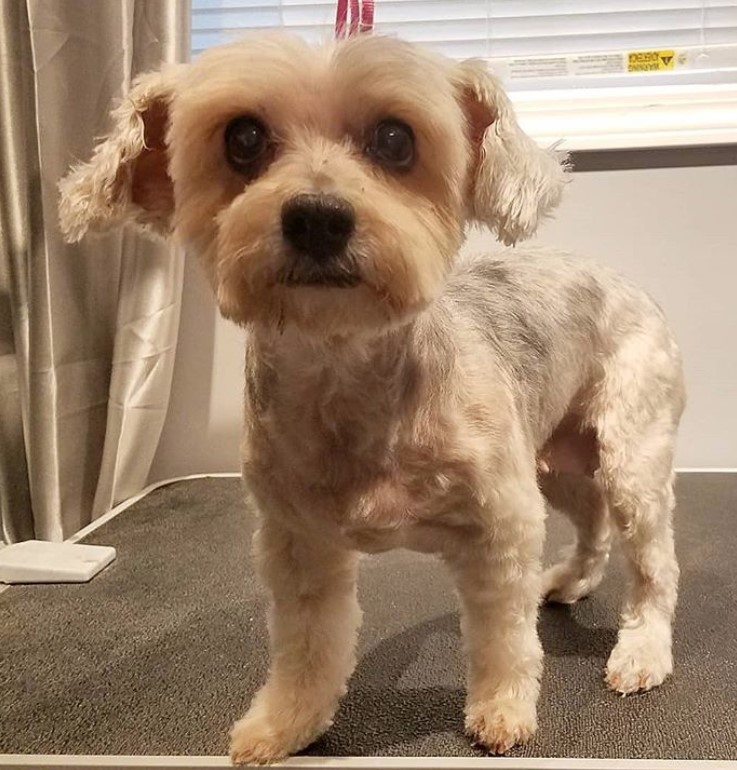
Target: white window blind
558, 57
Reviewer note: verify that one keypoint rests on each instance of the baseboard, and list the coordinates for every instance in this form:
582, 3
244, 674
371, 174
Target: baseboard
706, 470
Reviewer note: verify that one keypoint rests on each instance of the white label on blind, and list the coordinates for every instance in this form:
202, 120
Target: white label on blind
597, 64
720, 57
539, 67
616, 62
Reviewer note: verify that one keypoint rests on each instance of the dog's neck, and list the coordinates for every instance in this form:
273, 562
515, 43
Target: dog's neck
354, 375
384, 354
342, 404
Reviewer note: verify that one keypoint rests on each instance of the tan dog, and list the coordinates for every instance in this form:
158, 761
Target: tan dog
396, 395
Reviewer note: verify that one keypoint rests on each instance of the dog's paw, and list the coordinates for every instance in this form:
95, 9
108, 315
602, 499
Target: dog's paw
563, 585
264, 736
254, 741
639, 662
499, 725
571, 580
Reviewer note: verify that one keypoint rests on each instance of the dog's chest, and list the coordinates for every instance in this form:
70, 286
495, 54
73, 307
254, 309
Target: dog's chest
353, 457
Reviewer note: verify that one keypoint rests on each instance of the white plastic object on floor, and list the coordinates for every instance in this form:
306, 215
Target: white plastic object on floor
38, 561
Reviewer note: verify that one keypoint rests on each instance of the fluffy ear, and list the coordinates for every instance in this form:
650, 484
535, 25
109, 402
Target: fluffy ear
514, 183
127, 178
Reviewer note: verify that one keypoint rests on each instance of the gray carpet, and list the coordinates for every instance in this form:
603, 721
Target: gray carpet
164, 648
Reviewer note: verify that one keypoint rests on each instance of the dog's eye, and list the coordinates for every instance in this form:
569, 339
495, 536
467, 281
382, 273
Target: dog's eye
246, 140
393, 144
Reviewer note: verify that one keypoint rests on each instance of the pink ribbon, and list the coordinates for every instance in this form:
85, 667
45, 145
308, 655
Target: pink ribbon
361, 17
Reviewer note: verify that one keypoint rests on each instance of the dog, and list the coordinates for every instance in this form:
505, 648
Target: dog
399, 395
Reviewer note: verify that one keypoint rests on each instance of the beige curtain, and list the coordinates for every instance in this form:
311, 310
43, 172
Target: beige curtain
87, 332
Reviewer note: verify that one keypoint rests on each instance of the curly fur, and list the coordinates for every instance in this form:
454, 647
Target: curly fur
435, 404
111, 188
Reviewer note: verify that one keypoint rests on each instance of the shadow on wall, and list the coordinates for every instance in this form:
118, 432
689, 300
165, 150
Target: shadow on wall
191, 441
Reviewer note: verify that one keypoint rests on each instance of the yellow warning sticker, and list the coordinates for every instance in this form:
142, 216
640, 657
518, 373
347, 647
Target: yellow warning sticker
650, 61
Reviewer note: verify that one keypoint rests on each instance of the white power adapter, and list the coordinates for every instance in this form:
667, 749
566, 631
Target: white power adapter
38, 561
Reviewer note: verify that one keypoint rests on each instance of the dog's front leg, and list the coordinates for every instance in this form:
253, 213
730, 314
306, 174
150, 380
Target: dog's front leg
499, 581
313, 619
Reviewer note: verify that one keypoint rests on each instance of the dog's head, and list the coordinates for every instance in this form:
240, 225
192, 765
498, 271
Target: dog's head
325, 187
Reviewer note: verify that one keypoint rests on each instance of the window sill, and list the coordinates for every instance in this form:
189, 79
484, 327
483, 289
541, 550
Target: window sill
630, 118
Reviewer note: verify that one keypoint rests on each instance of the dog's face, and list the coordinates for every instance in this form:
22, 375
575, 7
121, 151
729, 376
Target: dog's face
327, 188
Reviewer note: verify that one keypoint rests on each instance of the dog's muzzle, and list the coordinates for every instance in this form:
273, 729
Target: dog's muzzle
319, 228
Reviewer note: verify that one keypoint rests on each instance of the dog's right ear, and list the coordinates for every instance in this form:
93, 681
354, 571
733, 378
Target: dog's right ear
127, 179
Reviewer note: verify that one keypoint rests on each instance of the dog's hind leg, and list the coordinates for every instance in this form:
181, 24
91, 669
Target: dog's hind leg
642, 505
313, 619
639, 404
583, 500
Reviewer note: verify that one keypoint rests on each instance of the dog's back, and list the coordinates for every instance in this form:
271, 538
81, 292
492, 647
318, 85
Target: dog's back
551, 321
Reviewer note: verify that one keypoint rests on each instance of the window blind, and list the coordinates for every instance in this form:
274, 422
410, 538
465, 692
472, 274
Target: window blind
532, 44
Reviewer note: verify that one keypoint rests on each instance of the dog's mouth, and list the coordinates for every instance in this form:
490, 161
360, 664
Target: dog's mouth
328, 281
333, 275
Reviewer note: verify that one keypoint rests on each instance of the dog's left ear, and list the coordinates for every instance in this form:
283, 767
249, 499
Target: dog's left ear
127, 178
514, 183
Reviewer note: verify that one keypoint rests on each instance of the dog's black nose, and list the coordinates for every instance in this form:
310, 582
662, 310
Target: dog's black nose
319, 226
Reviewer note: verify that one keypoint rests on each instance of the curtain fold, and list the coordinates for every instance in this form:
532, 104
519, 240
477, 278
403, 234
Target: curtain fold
90, 335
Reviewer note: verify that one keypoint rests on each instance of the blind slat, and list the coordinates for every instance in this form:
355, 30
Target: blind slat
614, 23
541, 45
484, 7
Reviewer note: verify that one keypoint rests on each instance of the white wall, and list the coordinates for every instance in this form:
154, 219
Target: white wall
672, 229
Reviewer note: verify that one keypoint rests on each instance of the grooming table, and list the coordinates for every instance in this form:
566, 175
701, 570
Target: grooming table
164, 649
